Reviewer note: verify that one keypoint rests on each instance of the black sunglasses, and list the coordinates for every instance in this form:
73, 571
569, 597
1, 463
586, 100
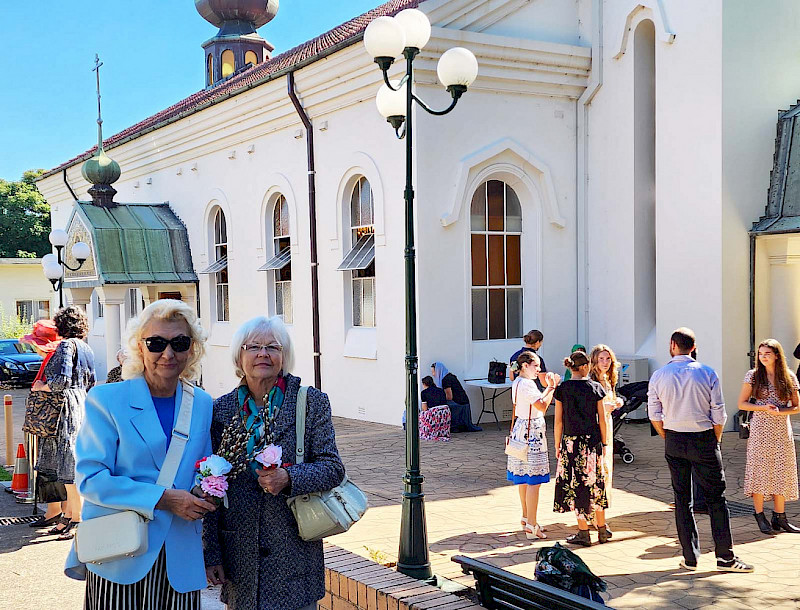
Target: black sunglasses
157, 344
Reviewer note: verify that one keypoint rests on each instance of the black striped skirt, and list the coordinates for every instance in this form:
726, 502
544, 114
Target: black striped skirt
153, 592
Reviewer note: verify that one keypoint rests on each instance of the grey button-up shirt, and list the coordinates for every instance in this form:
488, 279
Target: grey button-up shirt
685, 396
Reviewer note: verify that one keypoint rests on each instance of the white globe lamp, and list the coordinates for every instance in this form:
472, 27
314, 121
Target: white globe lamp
457, 68
384, 40
81, 251
49, 259
392, 104
416, 26
58, 237
53, 271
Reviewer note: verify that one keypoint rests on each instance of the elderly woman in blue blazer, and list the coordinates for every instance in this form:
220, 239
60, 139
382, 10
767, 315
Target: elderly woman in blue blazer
252, 547
119, 452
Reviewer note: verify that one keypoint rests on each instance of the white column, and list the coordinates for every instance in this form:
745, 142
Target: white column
112, 298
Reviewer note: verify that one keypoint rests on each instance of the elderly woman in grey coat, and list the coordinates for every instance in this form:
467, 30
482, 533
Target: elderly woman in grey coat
252, 547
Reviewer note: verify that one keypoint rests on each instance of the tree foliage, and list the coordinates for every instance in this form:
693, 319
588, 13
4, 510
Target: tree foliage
24, 218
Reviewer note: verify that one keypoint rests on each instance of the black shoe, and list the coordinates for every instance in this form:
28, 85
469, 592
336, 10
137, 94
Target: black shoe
688, 565
42, 522
763, 524
582, 538
603, 534
68, 534
779, 522
733, 565
62, 520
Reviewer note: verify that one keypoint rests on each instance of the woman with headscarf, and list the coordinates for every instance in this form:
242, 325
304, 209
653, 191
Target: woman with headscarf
575, 348
44, 339
457, 399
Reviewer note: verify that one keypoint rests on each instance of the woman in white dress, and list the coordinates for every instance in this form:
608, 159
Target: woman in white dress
528, 426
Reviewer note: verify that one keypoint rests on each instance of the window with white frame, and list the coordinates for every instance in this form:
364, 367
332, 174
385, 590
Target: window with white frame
496, 233
279, 265
360, 260
31, 311
134, 303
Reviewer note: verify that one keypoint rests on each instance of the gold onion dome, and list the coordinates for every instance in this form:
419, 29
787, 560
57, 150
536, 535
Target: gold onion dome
101, 169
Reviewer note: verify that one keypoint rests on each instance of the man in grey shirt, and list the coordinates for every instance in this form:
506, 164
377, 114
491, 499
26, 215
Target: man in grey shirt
685, 405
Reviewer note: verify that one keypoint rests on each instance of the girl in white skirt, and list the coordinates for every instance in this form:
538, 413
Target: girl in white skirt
530, 405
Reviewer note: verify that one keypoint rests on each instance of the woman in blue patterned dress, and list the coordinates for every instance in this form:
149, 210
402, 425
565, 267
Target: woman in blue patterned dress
70, 374
530, 406
252, 546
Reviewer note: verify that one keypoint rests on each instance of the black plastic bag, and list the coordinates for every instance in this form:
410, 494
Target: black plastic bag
49, 489
559, 567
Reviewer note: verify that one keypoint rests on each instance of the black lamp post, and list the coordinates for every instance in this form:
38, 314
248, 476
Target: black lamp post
54, 264
385, 39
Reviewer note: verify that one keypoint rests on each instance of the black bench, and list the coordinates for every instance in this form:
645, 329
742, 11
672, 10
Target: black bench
502, 590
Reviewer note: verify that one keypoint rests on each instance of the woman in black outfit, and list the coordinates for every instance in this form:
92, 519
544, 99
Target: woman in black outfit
580, 439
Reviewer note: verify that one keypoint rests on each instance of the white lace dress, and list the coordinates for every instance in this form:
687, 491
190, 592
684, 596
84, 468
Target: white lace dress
536, 469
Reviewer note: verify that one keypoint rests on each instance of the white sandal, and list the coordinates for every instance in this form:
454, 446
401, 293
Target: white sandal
534, 533
524, 523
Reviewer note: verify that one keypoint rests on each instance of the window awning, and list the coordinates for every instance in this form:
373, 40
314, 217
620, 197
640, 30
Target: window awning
279, 261
361, 255
217, 266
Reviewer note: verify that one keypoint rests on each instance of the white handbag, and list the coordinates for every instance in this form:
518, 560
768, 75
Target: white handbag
514, 448
124, 534
325, 513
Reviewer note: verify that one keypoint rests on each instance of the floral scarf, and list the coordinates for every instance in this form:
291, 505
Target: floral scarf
260, 430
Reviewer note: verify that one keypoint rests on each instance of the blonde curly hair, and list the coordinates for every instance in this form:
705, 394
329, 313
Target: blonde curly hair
170, 310
594, 372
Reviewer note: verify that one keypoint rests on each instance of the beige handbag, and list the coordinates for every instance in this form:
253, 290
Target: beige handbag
514, 448
124, 534
325, 513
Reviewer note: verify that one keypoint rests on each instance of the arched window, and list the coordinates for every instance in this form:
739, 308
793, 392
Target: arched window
496, 232
221, 267
228, 63
360, 260
280, 262
210, 69
250, 57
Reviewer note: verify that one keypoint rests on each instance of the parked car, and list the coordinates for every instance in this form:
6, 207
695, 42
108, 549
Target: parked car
19, 363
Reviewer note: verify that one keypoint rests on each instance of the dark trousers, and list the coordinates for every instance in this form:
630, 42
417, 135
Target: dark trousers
697, 456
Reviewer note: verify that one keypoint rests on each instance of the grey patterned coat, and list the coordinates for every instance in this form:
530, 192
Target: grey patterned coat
267, 564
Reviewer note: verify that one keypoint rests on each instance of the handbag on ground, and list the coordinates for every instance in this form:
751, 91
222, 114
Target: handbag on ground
124, 534
323, 513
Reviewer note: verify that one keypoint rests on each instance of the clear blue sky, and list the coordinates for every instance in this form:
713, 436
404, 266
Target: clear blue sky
152, 59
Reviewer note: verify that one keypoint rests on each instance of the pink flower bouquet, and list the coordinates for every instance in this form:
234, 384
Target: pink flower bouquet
270, 456
211, 481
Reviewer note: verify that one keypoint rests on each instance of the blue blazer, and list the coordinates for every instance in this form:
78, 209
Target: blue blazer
119, 452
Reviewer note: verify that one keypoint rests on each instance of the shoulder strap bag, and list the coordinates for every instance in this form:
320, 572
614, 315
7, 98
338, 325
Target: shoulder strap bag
42, 409
124, 534
323, 513
514, 448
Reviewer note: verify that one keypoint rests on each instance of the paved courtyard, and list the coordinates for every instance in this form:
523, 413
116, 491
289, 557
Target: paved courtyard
472, 510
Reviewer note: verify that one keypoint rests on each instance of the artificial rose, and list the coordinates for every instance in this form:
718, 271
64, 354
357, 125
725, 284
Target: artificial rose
270, 456
216, 465
215, 486
198, 463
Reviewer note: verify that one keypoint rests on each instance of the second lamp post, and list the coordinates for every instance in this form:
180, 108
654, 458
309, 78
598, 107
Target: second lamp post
387, 38
53, 264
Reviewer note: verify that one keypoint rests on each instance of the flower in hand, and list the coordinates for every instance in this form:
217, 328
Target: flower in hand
270, 456
211, 481
214, 486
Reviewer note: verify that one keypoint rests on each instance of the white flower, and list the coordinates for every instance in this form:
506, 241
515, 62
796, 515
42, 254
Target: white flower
217, 465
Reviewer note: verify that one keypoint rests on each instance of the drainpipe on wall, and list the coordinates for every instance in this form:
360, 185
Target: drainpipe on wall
582, 173
312, 217
752, 352
69, 188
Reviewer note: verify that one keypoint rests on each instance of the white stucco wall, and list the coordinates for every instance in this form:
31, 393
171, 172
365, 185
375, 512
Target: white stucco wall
760, 77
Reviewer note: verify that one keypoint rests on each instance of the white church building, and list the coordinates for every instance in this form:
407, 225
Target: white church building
598, 182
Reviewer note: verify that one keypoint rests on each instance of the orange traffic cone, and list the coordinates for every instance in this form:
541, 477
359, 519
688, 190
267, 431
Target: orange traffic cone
19, 482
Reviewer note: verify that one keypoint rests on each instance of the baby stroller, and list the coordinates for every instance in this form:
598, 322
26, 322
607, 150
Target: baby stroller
634, 395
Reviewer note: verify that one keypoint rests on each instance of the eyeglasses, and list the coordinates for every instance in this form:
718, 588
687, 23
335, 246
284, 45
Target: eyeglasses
157, 344
273, 349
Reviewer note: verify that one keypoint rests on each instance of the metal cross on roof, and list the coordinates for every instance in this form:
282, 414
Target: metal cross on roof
96, 69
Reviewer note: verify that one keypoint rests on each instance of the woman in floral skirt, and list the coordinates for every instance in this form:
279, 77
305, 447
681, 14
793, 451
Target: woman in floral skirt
771, 391
580, 438
529, 408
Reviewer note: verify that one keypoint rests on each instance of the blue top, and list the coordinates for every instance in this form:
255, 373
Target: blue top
165, 409
686, 396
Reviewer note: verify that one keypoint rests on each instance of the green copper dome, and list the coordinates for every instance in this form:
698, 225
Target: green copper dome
101, 169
